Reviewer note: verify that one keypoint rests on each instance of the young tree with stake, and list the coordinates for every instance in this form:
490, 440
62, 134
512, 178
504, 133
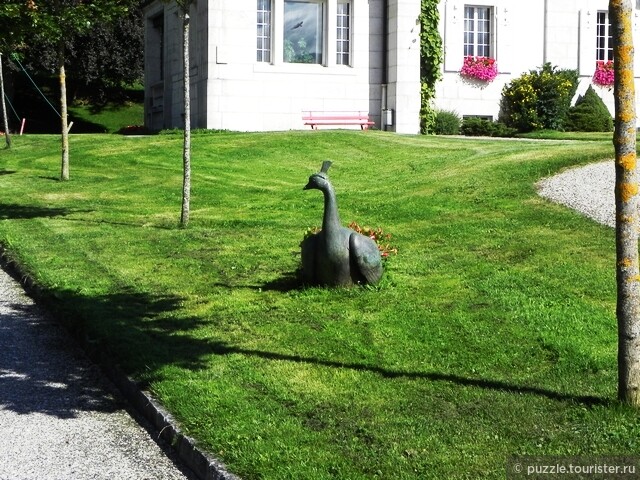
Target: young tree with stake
56, 20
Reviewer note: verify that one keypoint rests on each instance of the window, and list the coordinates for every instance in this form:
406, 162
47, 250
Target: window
477, 31
264, 31
306, 29
604, 44
303, 31
343, 33
157, 44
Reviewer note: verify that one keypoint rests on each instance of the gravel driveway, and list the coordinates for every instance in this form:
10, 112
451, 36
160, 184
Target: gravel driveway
59, 417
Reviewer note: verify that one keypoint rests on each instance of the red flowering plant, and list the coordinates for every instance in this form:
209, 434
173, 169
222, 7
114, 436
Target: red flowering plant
603, 75
480, 68
382, 239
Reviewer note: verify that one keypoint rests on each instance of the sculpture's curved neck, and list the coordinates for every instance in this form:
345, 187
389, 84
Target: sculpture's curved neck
331, 219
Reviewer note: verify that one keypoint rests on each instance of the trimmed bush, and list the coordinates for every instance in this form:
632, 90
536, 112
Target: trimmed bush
476, 127
539, 99
590, 114
447, 123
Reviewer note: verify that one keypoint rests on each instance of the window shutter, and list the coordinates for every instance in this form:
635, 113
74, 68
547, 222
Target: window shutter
503, 40
587, 45
453, 36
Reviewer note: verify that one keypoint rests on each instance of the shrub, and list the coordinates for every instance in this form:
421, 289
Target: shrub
474, 127
539, 99
447, 123
590, 114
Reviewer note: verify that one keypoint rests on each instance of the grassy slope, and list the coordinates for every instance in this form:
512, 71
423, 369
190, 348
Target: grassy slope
109, 119
492, 334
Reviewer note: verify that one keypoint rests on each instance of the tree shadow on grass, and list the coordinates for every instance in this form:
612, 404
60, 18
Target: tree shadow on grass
141, 333
41, 370
14, 211
153, 336
221, 348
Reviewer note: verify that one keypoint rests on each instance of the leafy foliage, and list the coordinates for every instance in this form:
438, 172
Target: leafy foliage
100, 57
590, 114
539, 99
476, 127
430, 61
447, 123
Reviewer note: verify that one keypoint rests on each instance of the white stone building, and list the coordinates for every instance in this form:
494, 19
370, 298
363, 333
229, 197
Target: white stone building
522, 36
258, 65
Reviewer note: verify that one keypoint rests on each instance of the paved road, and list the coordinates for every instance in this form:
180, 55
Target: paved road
59, 417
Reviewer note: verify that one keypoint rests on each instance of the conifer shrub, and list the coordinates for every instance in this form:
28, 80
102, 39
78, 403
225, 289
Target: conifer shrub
590, 114
447, 123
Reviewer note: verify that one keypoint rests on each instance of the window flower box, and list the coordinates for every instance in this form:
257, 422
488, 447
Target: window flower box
479, 68
603, 75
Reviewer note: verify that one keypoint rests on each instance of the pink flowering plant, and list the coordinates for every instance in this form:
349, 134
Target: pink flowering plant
480, 68
603, 75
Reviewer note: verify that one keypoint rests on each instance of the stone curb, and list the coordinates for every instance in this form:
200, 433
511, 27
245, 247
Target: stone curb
203, 465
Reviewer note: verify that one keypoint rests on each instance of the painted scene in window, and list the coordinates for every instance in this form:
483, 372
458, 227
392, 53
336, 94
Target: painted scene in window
303, 26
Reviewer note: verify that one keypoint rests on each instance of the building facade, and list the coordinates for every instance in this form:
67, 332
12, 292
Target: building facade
258, 65
522, 36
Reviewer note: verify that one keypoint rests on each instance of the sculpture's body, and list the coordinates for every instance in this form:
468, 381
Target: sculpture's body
337, 255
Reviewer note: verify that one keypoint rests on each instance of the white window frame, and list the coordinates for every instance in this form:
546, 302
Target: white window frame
264, 22
327, 41
474, 26
604, 39
344, 20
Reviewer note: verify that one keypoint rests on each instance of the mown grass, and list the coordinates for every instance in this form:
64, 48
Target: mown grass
110, 118
492, 334
557, 135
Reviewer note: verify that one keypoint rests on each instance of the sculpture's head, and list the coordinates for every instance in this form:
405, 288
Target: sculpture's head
319, 180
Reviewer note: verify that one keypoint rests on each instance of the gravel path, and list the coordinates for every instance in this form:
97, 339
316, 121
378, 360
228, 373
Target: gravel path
588, 189
59, 418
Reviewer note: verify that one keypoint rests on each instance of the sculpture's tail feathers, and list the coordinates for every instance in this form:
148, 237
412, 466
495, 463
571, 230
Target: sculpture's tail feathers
366, 259
325, 166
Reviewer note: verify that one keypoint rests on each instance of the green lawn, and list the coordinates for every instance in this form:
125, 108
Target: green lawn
493, 332
111, 118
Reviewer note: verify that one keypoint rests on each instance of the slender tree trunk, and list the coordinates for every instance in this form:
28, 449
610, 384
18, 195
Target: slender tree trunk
7, 135
186, 152
64, 171
627, 202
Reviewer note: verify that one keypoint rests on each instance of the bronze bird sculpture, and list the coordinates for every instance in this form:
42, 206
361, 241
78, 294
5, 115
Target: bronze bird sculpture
337, 256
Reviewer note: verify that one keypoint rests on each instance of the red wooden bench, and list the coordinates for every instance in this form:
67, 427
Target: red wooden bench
316, 119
